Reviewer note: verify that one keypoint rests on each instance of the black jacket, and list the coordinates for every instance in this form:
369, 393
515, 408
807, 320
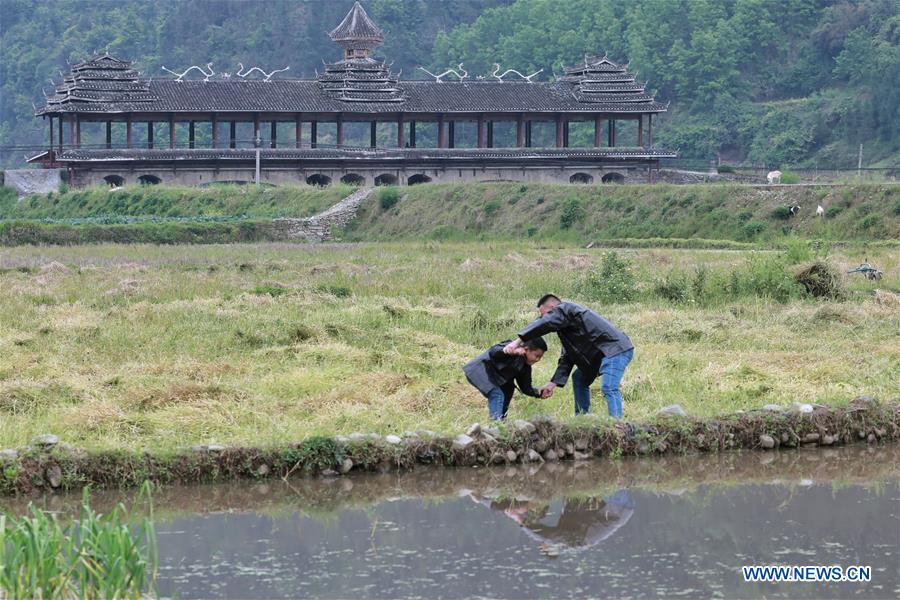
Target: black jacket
494, 369
586, 338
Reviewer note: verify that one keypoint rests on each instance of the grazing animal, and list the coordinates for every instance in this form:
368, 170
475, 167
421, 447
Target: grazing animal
774, 177
820, 212
795, 209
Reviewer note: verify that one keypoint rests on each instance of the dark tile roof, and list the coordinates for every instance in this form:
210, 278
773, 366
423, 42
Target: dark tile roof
357, 29
167, 95
362, 80
101, 81
104, 84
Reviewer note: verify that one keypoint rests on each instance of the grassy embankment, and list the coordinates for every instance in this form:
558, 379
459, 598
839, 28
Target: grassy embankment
643, 215
115, 347
722, 216
157, 214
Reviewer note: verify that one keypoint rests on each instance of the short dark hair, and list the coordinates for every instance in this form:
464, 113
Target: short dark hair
546, 297
537, 343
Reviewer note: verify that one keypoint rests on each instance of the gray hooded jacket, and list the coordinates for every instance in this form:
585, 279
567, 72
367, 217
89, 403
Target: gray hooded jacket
586, 338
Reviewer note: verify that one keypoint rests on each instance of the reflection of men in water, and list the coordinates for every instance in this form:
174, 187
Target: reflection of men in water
567, 523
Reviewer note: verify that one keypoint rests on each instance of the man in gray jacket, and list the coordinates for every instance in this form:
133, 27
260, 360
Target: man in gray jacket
589, 342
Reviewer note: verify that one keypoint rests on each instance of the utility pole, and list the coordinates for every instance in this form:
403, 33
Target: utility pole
859, 163
257, 142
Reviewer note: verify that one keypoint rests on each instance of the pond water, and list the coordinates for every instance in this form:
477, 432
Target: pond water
672, 527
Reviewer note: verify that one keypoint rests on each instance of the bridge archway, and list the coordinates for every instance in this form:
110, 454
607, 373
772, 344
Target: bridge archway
149, 180
386, 179
318, 179
353, 179
418, 178
613, 178
114, 180
582, 178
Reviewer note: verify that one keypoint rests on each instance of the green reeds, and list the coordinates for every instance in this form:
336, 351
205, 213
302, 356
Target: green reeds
95, 555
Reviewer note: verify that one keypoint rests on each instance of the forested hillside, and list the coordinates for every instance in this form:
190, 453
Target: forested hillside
773, 81
38, 37
799, 82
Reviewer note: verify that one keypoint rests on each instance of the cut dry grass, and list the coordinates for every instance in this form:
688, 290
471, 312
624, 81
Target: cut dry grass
195, 349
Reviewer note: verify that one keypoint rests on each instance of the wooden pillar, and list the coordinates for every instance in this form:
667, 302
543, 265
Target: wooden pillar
52, 141
598, 127
273, 136
59, 125
650, 130
611, 133
451, 134
232, 134
108, 135
77, 131
340, 130
192, 139
313, 133
528, 133
171, 131
373, 134
640, 131
128, 137
412, 134
490, 134
559, 131
150, 134
215, 131
256, 138
520, 131
441, 142
566, 134
400, 132
298, 130
72, 132
479, 137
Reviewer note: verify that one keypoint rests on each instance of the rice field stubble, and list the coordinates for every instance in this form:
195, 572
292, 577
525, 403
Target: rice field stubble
160, 347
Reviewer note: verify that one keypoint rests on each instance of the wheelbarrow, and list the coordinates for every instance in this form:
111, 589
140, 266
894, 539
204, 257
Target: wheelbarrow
869, 271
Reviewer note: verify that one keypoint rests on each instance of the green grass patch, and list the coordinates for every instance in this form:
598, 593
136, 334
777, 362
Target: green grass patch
161, 347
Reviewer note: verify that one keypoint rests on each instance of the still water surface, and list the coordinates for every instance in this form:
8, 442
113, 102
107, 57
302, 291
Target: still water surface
670, 527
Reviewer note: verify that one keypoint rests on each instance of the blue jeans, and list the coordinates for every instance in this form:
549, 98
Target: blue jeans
612, 368
497, 404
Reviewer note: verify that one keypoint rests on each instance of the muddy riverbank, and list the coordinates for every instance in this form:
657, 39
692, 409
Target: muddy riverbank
49, 464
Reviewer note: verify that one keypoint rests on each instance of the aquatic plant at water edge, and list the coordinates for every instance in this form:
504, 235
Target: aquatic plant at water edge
95, 555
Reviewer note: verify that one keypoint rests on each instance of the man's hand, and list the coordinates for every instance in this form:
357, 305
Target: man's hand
513, 347
547, 390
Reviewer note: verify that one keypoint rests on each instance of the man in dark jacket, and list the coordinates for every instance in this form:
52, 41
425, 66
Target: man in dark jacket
589, 342
495, 373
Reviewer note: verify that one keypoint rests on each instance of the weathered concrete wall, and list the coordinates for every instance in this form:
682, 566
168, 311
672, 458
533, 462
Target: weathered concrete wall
366, 176
32, 181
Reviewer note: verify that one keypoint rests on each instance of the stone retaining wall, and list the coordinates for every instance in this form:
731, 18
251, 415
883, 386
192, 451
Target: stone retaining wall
33, 181
317, 228
48, 464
